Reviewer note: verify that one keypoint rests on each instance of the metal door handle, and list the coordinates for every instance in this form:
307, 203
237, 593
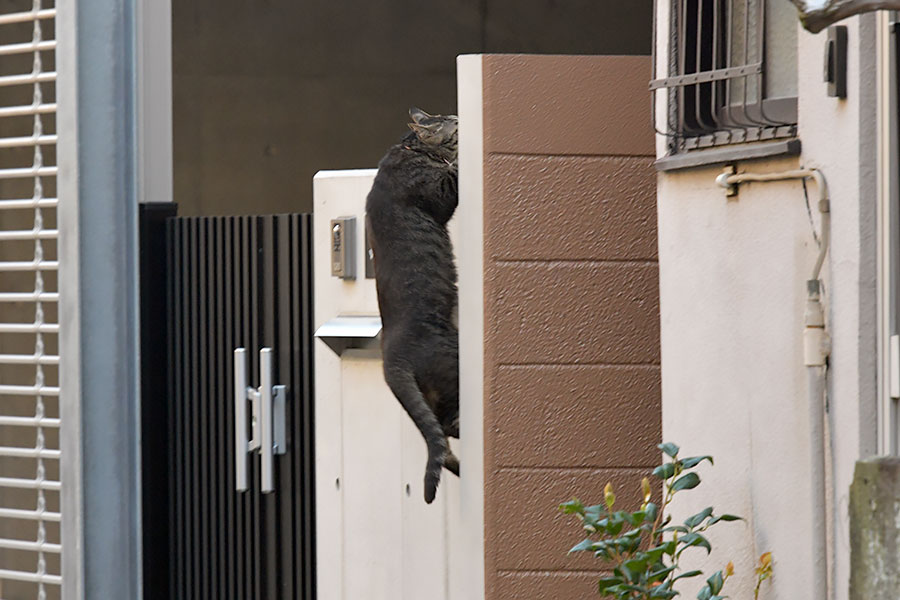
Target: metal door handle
268, 406
267, 466
241, 446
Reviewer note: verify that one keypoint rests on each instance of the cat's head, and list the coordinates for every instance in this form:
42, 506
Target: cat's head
438, 133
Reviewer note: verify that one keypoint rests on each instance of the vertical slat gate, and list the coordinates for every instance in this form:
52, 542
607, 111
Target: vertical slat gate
29, 405
302, 417
282, 326
268, 520
237, 282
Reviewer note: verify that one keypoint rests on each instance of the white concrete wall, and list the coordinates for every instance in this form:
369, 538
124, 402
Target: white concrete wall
376, 538
732, 291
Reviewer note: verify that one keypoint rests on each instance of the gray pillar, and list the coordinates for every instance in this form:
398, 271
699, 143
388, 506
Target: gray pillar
98, 285
875, 530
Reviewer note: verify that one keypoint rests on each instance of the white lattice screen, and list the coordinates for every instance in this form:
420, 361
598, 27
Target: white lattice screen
29, 388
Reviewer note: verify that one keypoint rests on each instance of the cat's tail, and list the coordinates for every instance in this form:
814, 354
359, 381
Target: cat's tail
405, 388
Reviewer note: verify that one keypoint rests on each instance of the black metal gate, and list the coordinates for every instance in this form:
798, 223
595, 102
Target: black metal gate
232, 282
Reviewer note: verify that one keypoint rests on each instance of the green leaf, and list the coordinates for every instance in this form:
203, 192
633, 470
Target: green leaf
651, 510
715, 520
663, 592
715, 582
689, 463
669, 448
695, 520
664, 471
634, 519
627, 573
572, 507
600, 548
636, 567
688, 574
582, 546
660, 574
614, 524
595, 512
607, 582
686, 482
654, 554
695, 539
678, 528
704, 594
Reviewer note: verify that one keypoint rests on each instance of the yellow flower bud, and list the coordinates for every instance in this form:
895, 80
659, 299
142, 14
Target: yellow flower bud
609, 496
729, 569
645, 487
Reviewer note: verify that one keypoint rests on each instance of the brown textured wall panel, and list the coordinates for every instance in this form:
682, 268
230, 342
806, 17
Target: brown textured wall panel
548, 585
535, 535
571, 207
573, 312
593, 105
576, 416
571, 301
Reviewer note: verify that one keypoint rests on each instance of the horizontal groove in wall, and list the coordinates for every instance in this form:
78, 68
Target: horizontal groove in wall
570, 365
541, 469
557, 262
648, 157
555, 573
579, 264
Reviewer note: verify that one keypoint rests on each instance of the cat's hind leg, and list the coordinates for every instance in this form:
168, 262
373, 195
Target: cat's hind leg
451, 425
451, 463
403, 384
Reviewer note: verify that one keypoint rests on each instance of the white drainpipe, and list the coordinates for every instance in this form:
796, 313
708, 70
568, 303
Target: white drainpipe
816, 348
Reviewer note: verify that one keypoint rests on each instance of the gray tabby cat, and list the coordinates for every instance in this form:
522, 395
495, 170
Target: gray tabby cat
412, 198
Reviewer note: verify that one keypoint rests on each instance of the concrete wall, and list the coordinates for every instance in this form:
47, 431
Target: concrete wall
732, 294
568, 284
268, 93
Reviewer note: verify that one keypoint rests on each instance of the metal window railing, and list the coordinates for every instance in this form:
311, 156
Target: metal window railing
30, 517
717, 82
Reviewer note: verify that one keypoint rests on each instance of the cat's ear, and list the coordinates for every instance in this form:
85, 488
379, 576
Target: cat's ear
418, 115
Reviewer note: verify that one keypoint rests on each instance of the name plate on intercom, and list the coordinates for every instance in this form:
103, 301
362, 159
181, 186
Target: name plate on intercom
343, 247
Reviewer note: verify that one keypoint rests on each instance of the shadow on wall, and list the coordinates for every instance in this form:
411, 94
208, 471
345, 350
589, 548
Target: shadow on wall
268, 93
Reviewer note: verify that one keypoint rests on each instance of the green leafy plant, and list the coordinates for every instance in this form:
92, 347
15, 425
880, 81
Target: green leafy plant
644, 546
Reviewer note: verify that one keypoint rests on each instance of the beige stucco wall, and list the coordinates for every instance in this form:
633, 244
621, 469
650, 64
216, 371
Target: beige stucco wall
732, 294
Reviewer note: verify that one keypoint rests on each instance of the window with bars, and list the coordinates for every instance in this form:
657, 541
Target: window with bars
732, 73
